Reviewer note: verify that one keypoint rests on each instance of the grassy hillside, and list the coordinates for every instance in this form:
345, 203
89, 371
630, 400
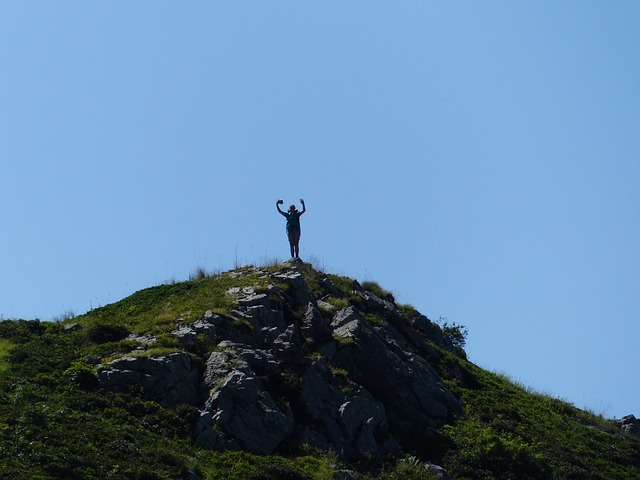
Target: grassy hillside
55, 421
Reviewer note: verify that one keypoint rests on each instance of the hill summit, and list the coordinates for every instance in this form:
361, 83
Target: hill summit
280, 372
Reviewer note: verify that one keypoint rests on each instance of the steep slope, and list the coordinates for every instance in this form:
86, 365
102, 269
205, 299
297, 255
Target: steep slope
277, 362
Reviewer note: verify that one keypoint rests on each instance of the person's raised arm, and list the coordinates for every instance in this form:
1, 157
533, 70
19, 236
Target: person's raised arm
304, 207
278, 203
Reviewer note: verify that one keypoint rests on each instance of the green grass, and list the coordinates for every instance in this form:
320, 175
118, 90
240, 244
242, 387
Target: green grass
377, 290
509, 432
5, 347
243, 466
338, 303
156, 310
375, 319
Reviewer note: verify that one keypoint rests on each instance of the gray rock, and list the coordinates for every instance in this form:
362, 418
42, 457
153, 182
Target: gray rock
326, 306
71, 327
191, 475
413, 394
248, 297
388, 309
630, 425
321, 398
361, 417
432, 331
299, 288
207, 326
437, 472
207, 435
146, 339
328, 285
239, 405
169, 380
256, 308
288, 346
347, 423
314, 325
344, 317
263, 316
344, 474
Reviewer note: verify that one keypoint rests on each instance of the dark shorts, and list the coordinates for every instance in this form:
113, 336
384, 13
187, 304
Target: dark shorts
294, 235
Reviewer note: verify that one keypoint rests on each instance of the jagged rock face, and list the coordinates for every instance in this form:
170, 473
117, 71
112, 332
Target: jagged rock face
403, 381
302, 372
239, 405
169, 380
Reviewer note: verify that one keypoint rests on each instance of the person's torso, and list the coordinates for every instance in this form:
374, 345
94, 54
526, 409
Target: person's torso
293, 221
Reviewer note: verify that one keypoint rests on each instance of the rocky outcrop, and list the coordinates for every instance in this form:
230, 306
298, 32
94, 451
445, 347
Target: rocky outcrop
630, 425
170, 380
287, 368
239, 404
404, 382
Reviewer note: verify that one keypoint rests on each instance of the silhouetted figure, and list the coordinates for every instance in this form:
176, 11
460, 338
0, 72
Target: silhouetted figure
293, 226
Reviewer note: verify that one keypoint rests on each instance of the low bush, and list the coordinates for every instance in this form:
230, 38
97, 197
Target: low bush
103, 333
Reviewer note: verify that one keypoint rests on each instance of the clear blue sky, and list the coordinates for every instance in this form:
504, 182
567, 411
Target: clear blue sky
479, 159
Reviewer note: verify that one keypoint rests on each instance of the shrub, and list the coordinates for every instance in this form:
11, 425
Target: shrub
456, 334
482, 452
407, 468
81, 375
103, 333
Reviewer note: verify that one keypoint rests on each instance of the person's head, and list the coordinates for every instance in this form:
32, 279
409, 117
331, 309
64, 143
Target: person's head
292, 208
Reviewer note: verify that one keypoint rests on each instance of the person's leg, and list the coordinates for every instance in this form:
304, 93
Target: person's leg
297, 245
294, 239
292, 242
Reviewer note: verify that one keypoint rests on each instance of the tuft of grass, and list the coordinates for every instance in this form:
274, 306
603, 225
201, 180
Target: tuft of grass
317, 263
375, 320
377, 290
200, 273
64, 316
270, 262
342, 341
338, 303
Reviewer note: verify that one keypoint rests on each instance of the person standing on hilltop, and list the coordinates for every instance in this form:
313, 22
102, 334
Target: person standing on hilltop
293, 226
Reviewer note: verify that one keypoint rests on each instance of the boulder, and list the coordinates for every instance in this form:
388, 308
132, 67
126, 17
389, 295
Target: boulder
239, 406
255, 308
248, 297
437, 472
299, 288
630, 425
170, 380
208, 326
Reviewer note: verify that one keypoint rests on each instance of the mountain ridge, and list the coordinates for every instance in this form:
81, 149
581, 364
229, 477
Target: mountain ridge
283, 360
